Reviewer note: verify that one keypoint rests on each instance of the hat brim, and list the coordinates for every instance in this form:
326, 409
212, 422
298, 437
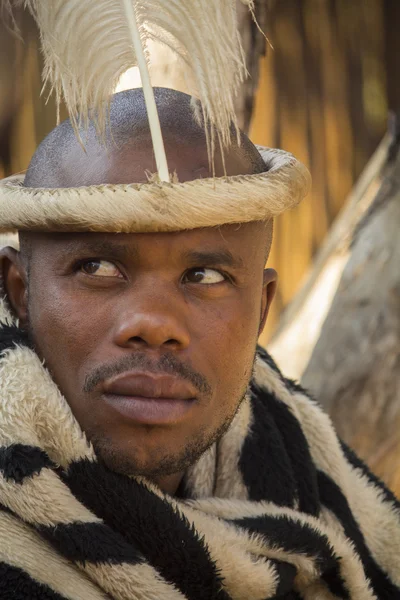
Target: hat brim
157, 207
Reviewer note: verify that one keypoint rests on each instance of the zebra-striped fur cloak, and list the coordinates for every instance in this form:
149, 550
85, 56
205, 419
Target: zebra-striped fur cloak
279, 508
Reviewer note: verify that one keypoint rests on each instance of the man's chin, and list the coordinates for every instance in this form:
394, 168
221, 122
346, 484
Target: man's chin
148, 468
151, 463
160, 458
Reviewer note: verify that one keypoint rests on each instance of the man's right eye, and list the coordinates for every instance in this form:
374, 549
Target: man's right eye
100, 268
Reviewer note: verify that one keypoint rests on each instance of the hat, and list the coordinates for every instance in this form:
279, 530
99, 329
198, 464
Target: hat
86, 49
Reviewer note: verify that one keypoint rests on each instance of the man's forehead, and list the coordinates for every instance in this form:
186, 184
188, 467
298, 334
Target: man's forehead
232, 238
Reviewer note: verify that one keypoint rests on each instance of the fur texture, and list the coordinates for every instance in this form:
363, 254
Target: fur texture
153, 207
278, 508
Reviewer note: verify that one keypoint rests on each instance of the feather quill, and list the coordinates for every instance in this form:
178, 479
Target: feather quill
154, 121
89, 44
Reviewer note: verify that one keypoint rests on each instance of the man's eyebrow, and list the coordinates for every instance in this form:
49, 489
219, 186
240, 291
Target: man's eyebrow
213, 258
100, 248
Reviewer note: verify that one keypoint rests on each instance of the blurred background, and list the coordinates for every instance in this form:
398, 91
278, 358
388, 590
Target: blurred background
322, 86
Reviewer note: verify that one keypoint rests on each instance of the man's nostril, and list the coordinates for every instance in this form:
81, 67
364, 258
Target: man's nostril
137, 338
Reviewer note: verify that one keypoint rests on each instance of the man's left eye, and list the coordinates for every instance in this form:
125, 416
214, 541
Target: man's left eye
204, 276
100, 268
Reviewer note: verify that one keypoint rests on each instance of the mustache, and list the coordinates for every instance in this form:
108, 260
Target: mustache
168, 364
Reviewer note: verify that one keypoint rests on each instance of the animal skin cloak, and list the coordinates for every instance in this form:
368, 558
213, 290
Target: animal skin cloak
278, 508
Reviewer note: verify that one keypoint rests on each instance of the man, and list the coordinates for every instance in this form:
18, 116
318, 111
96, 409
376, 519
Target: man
208, 474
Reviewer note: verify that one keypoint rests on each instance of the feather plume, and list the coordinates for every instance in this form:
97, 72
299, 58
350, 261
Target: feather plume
88, 45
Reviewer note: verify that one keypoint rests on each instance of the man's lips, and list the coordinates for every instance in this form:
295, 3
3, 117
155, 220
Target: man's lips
155, 399
148, 385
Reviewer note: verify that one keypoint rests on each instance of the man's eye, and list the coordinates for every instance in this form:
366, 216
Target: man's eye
100, 268
204, 276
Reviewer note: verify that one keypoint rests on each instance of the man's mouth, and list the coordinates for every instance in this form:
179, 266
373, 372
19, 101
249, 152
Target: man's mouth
149, 398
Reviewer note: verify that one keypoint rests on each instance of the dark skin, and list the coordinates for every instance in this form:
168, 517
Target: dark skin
195, 301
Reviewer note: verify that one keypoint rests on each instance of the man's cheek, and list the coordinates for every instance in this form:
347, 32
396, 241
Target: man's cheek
64, 330
228, 344
238, 328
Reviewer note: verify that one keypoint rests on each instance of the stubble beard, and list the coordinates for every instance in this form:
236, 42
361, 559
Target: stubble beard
168, 464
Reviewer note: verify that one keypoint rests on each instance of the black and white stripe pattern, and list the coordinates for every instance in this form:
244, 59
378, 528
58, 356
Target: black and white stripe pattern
277, 509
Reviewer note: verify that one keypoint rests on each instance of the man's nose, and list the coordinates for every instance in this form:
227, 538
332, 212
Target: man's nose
153, 323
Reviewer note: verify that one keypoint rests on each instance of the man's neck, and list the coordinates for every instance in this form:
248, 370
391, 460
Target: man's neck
169, 483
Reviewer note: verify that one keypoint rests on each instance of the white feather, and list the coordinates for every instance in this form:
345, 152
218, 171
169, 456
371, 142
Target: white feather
87, 45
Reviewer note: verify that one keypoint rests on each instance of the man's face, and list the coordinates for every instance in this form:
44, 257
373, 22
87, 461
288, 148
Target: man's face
150, 337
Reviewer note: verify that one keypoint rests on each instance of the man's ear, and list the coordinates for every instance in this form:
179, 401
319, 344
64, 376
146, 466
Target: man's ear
14, 276
270, 281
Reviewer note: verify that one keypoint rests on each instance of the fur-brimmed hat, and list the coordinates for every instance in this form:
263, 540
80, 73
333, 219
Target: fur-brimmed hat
70, 30
152, 207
